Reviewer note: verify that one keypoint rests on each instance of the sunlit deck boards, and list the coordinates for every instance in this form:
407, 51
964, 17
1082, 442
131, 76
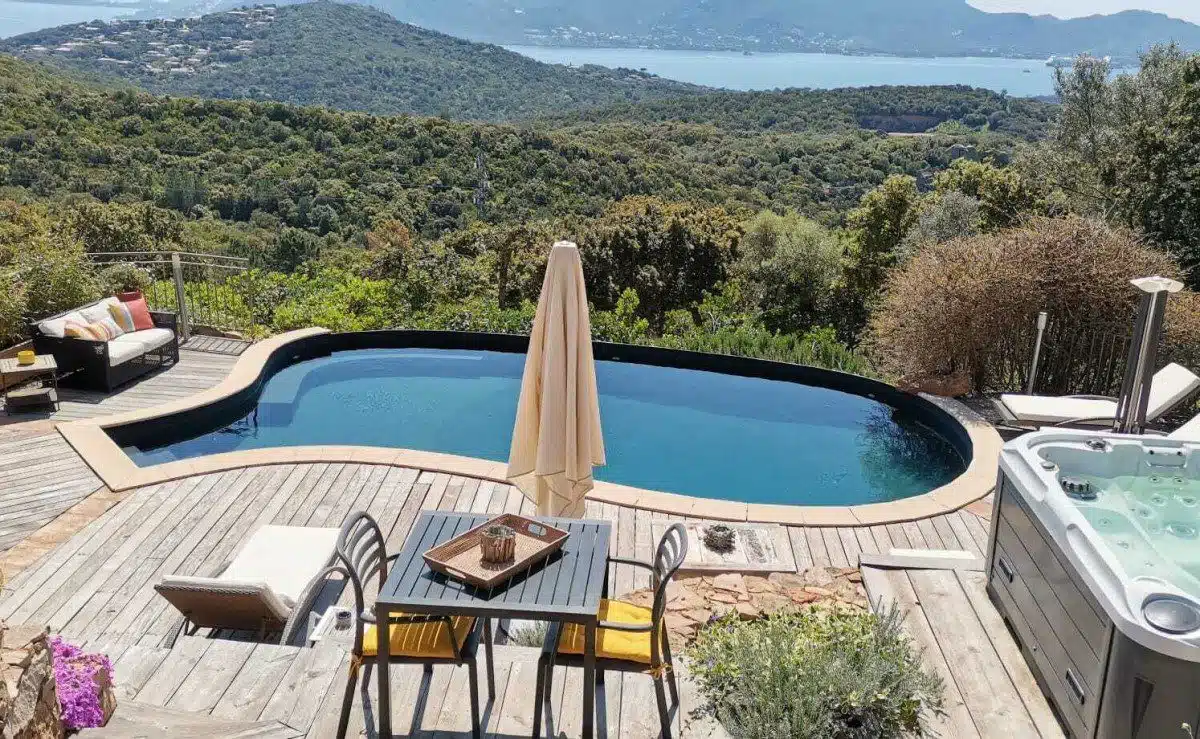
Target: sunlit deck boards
41, 477
195, 371
990, 691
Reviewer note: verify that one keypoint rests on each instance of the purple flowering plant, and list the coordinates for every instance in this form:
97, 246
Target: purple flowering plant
75, 673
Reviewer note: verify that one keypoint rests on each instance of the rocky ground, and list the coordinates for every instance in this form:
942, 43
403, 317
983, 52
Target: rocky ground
694, 601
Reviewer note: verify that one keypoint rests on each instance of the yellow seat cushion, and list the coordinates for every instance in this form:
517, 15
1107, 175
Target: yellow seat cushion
631, 646
419, 640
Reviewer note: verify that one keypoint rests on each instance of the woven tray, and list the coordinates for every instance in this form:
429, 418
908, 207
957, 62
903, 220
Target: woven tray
462, 558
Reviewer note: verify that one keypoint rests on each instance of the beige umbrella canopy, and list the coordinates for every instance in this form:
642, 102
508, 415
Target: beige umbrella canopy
557, 438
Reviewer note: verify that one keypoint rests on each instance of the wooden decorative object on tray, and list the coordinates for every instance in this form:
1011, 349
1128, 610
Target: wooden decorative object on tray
464, 558
498, 544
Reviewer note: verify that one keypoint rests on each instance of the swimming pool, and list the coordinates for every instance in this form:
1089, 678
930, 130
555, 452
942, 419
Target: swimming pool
698, 433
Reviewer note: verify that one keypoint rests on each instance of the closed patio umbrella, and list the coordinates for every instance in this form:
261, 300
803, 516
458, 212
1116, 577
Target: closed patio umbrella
556, 438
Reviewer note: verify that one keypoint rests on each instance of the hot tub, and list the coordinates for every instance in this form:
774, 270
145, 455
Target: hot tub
1095, 564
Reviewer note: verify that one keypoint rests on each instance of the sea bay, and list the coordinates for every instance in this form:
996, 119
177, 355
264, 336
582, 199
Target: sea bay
738, 71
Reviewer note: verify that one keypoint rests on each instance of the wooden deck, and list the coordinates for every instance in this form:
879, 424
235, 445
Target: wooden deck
990, 691
96, 586
43, 477
196, 370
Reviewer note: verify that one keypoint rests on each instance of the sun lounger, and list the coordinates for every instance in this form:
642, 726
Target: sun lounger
260, 588
1171, 386
1189, 431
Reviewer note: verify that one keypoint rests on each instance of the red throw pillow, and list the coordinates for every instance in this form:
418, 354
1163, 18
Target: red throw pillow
140, 314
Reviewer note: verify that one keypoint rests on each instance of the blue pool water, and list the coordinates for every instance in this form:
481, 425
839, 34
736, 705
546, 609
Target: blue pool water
684, 431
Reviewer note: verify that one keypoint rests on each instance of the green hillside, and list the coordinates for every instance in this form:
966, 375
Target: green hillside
897, 109
342, 56
330, 171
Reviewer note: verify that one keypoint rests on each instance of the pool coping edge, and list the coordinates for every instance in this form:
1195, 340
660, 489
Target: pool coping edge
89, 439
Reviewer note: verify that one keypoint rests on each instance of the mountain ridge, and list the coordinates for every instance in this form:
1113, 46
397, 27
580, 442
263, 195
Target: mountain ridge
914, 27
342, 56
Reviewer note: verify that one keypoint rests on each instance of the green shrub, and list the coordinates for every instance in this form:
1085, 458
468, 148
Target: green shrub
57, 277
788, 266
123, 277
965, 307
12, 309
815, 674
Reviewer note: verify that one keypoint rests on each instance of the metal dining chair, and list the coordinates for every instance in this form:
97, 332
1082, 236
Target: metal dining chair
629, 638
418, 639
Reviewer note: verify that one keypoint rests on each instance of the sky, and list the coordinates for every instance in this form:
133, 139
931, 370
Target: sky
1187, 9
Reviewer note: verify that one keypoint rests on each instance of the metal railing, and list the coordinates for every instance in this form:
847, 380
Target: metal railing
203, 289
1069, 360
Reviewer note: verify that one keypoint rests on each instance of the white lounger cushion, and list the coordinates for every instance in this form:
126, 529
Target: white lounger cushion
284, 557
1171, 386
1189, 431
221, 585
1040, 409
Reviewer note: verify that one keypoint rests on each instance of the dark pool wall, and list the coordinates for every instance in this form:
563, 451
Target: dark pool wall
220, 414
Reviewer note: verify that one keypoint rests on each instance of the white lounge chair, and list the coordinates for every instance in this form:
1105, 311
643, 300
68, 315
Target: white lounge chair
258, 589
1189, 431
1171, 386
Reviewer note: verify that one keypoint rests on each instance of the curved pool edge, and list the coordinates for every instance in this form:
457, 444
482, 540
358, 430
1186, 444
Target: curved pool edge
91, 441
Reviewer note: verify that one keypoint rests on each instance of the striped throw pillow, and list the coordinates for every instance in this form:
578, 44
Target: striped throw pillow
123, 318
78, 330
109, 327
105, 330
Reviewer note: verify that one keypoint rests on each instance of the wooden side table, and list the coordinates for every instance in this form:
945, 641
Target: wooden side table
30, 396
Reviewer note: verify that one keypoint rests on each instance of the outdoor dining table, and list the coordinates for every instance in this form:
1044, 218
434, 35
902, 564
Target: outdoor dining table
567, 587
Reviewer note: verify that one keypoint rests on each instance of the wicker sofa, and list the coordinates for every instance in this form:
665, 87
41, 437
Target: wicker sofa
104, 365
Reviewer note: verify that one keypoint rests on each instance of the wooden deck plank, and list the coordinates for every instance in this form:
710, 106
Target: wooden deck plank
71, 575
134, 667
986, 688
973, 584
173, 671
212, 676
261, 676
800, 551
966, 539
837, 552
948, 537
817, 548
893, 587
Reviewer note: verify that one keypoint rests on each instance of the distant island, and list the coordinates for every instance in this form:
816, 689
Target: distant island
895, 27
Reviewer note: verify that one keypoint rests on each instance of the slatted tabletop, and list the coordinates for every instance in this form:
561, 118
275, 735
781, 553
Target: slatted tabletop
566, 587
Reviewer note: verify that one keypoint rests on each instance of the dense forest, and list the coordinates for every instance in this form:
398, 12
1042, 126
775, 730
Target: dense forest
342, 56
334, 172
893, 109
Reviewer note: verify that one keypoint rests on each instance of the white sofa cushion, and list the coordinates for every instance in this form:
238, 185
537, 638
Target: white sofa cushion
54, 327
98, 312
284, 557
120, 352
150, 338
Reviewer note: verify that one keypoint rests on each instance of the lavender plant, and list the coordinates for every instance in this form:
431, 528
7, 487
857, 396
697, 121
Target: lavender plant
815, 674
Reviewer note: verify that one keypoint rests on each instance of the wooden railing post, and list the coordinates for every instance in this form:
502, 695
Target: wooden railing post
185, 328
